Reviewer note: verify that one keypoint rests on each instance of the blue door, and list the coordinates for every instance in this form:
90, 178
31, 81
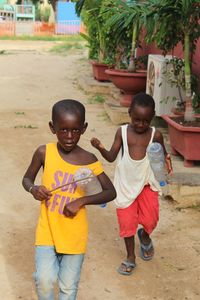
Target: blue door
67, 20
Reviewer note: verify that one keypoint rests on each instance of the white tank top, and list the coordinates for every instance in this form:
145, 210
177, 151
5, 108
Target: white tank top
132, 175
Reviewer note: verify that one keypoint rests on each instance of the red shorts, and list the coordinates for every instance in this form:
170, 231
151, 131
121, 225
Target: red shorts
144, 210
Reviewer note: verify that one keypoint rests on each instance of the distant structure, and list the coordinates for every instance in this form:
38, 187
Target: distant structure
20, 19
25, 12
7, 12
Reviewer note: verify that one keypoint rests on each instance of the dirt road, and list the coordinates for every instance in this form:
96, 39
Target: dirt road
31, 81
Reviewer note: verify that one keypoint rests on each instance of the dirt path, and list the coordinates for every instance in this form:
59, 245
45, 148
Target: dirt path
30, 83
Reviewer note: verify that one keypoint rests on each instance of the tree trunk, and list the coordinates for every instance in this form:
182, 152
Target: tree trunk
189, 113
54, 5
131, 66
101, 45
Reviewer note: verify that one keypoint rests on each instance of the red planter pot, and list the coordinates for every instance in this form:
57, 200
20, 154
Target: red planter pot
129, 83
99, 71
184, 140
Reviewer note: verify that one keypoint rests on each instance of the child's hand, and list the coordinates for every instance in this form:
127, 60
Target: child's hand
168, 164
96, 143
71, 208
40, 193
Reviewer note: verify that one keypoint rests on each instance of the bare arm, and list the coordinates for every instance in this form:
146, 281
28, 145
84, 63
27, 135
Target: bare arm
38, 192
108, 194
158, 137
112, 153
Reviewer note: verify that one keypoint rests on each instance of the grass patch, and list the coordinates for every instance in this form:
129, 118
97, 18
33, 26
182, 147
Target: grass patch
72, 38
83, 59
65, 47
103, 116
19, 112
25, 126
96, 99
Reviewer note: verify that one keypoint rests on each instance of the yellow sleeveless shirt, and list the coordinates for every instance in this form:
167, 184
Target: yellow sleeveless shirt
68, 235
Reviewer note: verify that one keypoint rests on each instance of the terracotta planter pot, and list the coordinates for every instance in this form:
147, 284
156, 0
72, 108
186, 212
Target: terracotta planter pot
129, 83
184, 140
99, 71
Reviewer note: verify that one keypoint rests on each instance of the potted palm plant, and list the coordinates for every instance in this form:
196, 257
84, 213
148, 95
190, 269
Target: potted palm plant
126, 22
168, 23
101, 51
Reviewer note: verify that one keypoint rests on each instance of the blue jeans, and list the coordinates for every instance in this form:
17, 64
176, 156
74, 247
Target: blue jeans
52, 267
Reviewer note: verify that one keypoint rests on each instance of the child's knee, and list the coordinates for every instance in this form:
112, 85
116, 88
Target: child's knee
45, 282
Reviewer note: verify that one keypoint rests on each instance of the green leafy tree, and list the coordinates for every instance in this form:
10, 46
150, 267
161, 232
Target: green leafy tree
169, 22
98, 35
126, 21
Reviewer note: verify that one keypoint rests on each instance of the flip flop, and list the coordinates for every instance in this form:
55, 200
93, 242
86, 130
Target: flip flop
127, 264
144, 248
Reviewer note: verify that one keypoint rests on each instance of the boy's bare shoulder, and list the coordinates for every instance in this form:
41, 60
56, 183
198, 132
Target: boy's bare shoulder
119, 131
41, 149
87, 157
118, 134
40, 152
158, 137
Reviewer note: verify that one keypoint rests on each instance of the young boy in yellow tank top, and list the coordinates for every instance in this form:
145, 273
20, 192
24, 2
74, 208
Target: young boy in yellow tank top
62, 229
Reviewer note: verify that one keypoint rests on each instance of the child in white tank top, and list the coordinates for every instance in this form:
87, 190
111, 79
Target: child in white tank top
136, 186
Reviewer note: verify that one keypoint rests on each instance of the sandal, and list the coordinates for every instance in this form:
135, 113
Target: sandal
145, 248
129, 268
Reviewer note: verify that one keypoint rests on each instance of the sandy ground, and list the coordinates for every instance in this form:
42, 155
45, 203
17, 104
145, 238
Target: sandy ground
31, 81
